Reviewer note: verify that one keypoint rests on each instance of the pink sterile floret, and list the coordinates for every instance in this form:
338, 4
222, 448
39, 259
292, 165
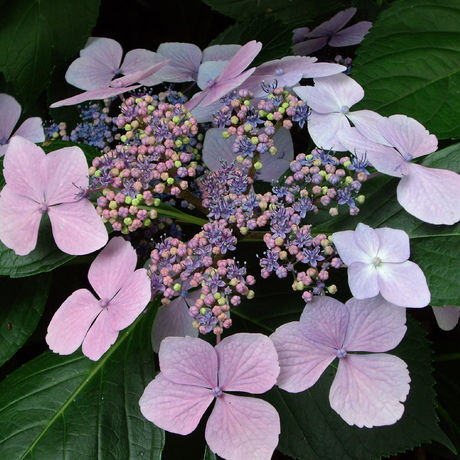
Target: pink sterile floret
368, 388
193, 374
37, 183
123, 294
378, 263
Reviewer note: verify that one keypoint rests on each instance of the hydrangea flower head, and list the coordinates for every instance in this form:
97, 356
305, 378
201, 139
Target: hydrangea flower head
10, 111
368, 389
307, 41
37, 183
429, 194
123, 294
330, 101
378, 263
193, 374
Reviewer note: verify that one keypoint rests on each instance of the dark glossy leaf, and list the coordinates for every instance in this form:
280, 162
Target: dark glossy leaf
90, 151
23, 302
35, 35
409, 63
311, 429
71, 407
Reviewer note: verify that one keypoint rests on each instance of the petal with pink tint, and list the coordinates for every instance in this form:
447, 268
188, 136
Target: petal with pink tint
131, 300
71, 322
243, 428
324, 321
174, 320
394, 245
220, 52
112, 268
31, 129
174, 407
185, 60
247, 362
139, 59
67, 170
77, 228
375, 325
362, 399
10, 111
189, 361
430, 194
307, 47
242, 58
323, 129
208, 71
403, 284
138, 76
89, 74
99, 337
447, 317
334, 24
351, 35
363, 280
407, 135
19, 223
105, 50
302, 361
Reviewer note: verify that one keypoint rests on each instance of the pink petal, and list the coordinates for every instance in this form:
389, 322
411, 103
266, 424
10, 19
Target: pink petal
403, 284
140, 75
334, 24
19, 223
447, 317
247, 362
209, 70
309, 46
243, 428
185, 61
99, 337
407, 135
368, 389
174, 407
242, 58
346, 246
430, 194
394, 245
32, 130
105, 50
174, 320
71, 322
112, 268
77, 228
67, 170
23, 168
323, 129
363, 280
188, 361
375, 325
10, 111
324, 321
351, 35
131, 300
302, 361
220, 52
89, 74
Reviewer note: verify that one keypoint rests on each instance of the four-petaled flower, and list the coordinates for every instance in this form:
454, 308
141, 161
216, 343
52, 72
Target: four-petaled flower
378, 263
123, 294
368, 388
193, 374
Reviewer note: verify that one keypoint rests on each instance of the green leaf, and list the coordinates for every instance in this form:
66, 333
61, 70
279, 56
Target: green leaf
209, 454
409, 63
90, 151
311, 429
35, 35
69, 406
23, 304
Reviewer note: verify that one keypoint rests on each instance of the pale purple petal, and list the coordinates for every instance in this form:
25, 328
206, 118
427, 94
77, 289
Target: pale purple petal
19, 223
112, 268
105, 50
299, 34
205, 114
394, 245
220, 52
324, 321
323, 129
174, 407
184, 58
309, 46
138, 76
346, 246
89, 74
209, 71
243, 428
367, 240
407, 135
403, 284
77, 228
71, 322
10, 111
366, 121
131, 300
363, 280
447, 317
139, 59
334, 24
375, 325
173, 320
99, 337
189, 361
247, 362
368, 389
302, 361
351, 35
430, 194
32, 130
